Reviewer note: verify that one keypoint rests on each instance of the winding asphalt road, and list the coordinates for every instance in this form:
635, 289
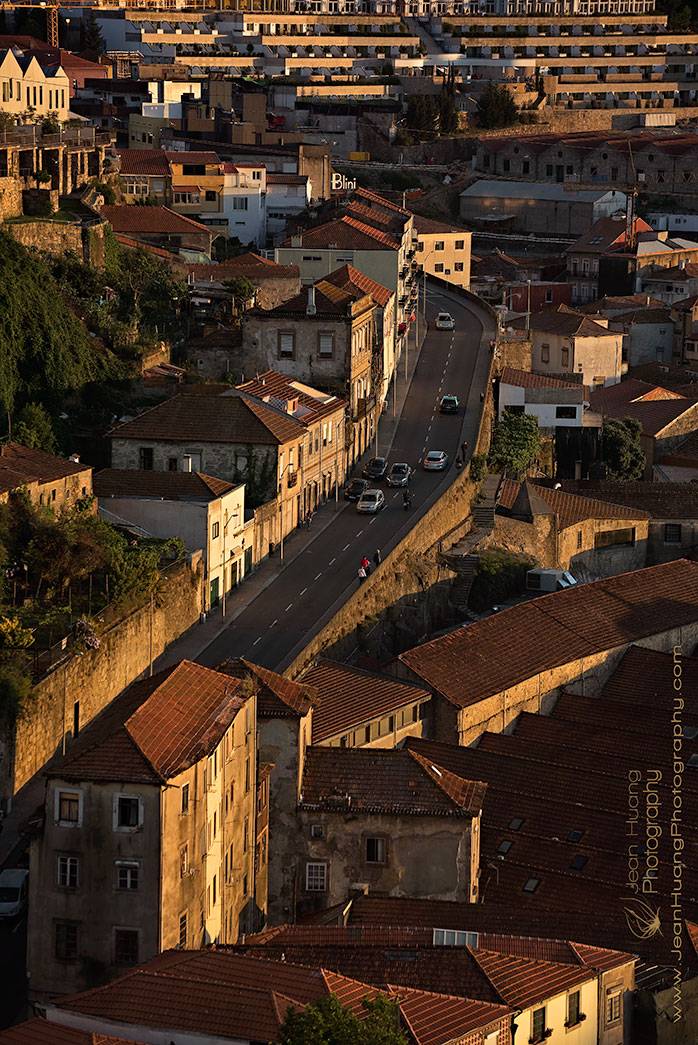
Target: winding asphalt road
283, 617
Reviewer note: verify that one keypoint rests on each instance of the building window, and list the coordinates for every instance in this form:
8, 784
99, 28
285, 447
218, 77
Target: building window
516, 824
126, 874
548, 297
215, 530
538, 1024
613, 1005
211, 196
525, 167
576, 835
375, 850
246, 835
573, 1009
145, 458
184, 861
506, 166
184, 804
126, 946
565, 357
579, 540
244, 885
240, 202
317, 830
68, 808
67, 872
128, 812
438, 267
66, 942
460, 244
566, 413
183, 930
610, 538
287, 344
545, 353
325, 345
672, 533
579, 862
458, 267
439, 245
316, 878
504, 846
530, 885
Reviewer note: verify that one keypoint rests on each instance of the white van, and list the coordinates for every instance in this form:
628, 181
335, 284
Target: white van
14, 888
548, 580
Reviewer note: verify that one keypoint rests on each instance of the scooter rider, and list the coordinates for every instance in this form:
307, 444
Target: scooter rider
407, 499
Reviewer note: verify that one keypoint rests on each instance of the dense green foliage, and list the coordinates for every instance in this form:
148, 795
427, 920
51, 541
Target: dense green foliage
500, 575
258, 476
34, 429
682, 15
45, 352
326, 1022
622, 449
496, 107
431, 113
448, 110
241, 289
515, 443
478, 467
91, 38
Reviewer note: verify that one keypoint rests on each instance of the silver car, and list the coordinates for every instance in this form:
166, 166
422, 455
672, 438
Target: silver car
445, 321
399, 474
435, 461
371, 501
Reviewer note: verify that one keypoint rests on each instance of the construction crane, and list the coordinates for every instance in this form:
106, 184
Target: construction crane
51, 8
631, 207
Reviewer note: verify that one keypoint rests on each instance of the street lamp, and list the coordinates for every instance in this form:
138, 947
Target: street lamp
281, 509
235, 515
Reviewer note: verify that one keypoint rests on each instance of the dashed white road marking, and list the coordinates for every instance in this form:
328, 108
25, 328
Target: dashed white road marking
303, 592
288, 607
256, 641
359, 533
319, 575
272, 624
345, 547
331, 561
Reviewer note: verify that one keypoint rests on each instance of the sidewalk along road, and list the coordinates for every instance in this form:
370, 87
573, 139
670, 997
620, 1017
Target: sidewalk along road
286, 614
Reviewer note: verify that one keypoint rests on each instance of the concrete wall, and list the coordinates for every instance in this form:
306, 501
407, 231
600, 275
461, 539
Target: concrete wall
599, 357
96, 677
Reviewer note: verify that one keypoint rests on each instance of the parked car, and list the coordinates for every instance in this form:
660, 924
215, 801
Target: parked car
376, 468
449, 405
355, 488
399, 474
14, 888
435, 461
371, 501
445, 321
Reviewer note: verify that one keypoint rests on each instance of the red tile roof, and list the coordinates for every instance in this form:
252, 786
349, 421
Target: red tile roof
658, 500
350, 697
347, 277
236, 419
440, 1019
206, 158
144, 161
609, 231
388, 781
277, 696
250, 265
578, 622
523, 982
566, 321
572, 508
165, 486
524, 379
429, 227
156, 729
159, 252
272, 385
623, 302
346, 233
654, 414
374, 199
154, 220
45, 1032
36, 465
632, 391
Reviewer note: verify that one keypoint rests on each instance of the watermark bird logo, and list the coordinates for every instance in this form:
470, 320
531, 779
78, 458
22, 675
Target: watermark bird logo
643, 919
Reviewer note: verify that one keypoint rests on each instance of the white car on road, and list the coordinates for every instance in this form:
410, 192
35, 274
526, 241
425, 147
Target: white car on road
371, 501
435, 461
445, 321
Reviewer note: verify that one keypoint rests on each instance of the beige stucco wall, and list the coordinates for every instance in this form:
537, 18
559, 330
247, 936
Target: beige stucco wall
592, 357
448, 257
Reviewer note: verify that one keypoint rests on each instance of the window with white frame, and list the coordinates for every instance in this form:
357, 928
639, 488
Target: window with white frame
316, 877
68, 808
128, 813
454, 938
375, 850
67, 872
240, 203
287, 344
127, 874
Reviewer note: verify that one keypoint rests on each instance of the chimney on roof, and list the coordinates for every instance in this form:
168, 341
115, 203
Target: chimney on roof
296, 241
310, 308
75, 458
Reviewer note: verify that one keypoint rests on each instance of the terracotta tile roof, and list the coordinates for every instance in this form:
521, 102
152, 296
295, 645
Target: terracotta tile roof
286, 179
127, 241
437, 1019
609, 232
45, 1032
250, 265
524, 379
389, 223
655, 415
376, 200
346, 233
622, 302
144, 161
350, 697
156, 729
236, 419
273, 385
578, 622
206, 158
152, 220
564, 321
348, 277
571, 508
389, 781
35, 465
675, 274
277, 696
523, 982
428, 227
331, 302
658, 500
644, 315
166, 486
631, 391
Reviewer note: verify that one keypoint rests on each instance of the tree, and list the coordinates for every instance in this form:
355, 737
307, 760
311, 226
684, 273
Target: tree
327, 1022
34, 429
515, 443
496, 107
448, 110
91, 38
622, 449
241, 289
422, 112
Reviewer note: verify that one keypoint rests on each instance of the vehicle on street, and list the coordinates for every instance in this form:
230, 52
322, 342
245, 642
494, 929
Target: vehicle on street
399, 474
376, 468
355, 488
14, 888
449, 405
435, 461
445, 321
371, 501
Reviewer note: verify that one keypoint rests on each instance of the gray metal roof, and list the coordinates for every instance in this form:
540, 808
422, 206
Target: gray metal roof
527, 190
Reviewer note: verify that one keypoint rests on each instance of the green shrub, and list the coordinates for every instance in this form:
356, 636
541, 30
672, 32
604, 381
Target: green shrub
478, 467
500, 575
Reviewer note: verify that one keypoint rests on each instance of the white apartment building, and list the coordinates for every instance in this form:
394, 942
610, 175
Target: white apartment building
244, 202
27, 86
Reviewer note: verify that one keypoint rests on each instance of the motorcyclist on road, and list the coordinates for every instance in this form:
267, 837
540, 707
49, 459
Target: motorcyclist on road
407, 499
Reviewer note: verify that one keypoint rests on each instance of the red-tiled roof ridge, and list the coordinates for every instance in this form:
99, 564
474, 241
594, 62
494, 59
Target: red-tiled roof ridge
124, 482
468, 793
278, 695
374, 197
40, 1031
368, 230
522, 982
528, 379
439, 1019
569, 508
113, 211
348, 274
159, 252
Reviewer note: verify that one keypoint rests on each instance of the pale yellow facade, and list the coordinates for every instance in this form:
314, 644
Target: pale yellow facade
31, 90
446, 254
